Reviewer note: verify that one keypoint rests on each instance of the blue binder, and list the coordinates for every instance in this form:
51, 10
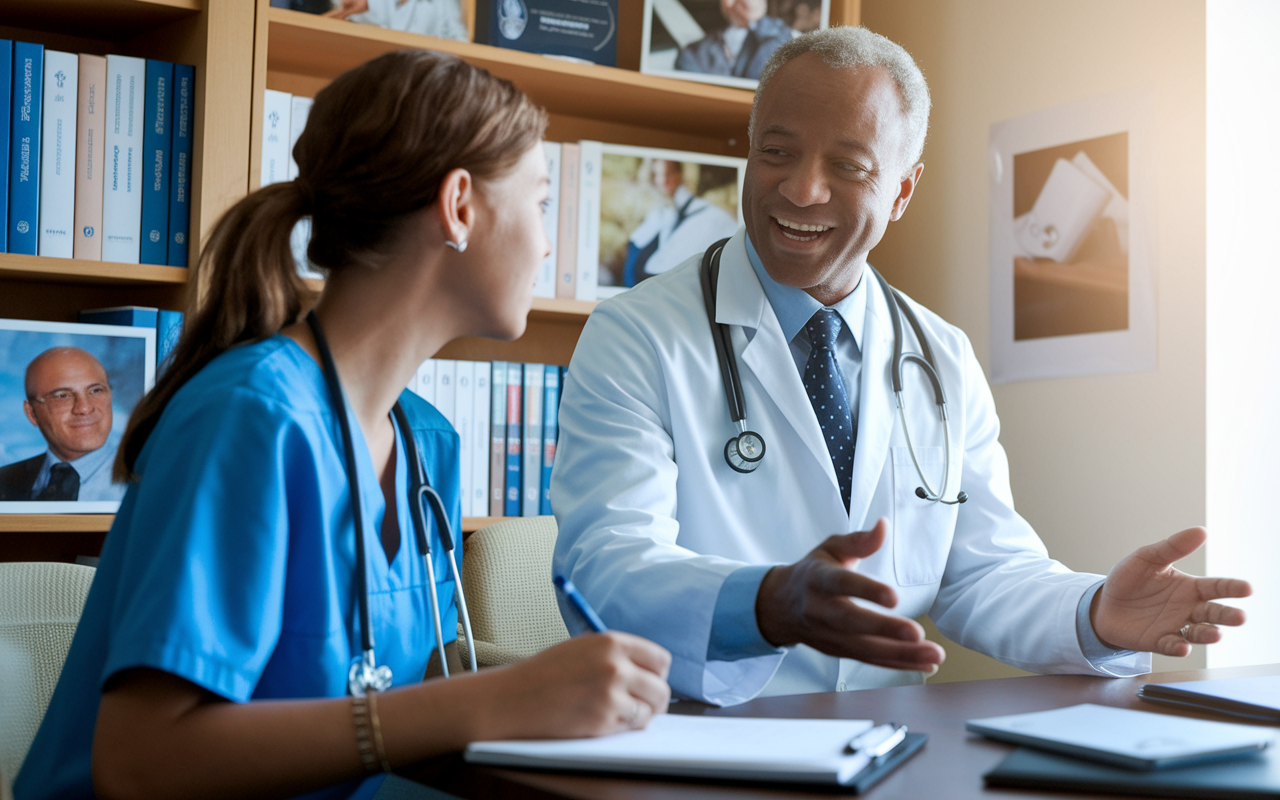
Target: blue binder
24, 162
156, 136
184, 93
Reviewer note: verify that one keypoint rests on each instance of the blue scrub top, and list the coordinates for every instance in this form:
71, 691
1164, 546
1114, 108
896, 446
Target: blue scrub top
231, 562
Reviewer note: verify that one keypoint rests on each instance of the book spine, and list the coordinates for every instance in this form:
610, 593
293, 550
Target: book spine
544, 284
588, 221
299, 110
90, 128
464, 412
531, 472
515, 380
58, 162
275, 137
24, 164
6, 109
427, 381
497, 439
550, 431
184, 92
446, 371
122, 174
567, 257
132, 316
157, 138
480, 441
168, 332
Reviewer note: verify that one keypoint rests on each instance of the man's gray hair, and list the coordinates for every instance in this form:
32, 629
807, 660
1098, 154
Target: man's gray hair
847, 48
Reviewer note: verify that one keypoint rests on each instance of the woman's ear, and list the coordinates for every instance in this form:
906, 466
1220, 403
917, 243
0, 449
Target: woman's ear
457, 208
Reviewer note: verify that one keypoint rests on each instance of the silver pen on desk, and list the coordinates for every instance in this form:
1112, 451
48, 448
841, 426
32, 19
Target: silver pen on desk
879, 741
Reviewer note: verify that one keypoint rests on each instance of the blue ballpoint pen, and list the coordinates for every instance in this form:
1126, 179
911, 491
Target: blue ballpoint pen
579, 602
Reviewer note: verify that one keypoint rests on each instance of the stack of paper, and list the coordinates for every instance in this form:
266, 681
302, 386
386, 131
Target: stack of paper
737, 748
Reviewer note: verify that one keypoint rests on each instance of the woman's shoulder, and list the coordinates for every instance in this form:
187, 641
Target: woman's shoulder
274, 372
423, 416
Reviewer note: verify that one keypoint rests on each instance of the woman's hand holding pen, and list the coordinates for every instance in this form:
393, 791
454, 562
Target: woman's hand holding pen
591, 685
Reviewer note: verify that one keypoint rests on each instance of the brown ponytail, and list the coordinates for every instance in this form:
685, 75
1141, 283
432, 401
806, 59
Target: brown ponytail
379, 140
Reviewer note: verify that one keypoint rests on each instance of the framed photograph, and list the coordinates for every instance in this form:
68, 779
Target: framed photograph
442, 18
66, 392
1072, 274
657, 208
722, 41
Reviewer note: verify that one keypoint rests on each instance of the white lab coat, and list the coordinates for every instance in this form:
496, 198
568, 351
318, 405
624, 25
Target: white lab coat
652, 519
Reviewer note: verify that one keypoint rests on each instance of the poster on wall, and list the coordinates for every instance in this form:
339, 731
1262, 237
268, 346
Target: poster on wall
1072, 270
66, 392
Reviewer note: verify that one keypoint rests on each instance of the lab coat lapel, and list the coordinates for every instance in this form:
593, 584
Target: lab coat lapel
741, 301
876, 407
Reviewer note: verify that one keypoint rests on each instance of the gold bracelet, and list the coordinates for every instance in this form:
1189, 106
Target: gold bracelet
377, 731
364, 732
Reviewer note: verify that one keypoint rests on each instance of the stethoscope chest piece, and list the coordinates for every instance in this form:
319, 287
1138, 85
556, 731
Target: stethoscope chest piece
364, 676
744, 451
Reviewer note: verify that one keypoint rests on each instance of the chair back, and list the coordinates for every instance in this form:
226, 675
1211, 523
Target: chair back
506, 574
40, 606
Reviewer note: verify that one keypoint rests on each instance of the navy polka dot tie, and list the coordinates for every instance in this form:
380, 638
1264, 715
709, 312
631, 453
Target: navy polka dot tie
825, 387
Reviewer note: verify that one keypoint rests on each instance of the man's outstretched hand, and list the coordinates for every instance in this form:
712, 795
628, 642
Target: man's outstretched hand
811, 602
1145, 603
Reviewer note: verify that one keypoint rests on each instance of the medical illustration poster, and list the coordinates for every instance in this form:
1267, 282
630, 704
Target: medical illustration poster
66, 392
659, 207
722, 41
1071, 270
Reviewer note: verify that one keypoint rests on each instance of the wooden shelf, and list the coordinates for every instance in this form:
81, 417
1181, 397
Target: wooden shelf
55, 523
101, 523
68, 270
319, 48
97, 19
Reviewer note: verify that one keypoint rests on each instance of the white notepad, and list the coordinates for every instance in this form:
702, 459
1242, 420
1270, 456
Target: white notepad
739, 748
1126, 738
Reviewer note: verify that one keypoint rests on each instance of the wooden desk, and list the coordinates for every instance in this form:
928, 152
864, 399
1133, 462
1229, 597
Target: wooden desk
949, 768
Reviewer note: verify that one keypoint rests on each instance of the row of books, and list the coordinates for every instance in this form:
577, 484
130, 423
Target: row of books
167, 325
616, 215
96, 155
506, 416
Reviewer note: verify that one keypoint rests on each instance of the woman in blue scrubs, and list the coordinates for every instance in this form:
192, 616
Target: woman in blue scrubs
212, 656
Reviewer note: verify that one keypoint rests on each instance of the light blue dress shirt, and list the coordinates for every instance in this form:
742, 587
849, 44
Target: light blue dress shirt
231, 562
94, 470
734, 631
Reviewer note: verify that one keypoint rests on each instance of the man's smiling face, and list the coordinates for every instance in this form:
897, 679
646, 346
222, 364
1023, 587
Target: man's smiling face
826, 174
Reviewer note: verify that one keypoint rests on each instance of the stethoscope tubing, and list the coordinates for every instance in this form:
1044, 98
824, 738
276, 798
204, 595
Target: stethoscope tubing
365, 673
708, 275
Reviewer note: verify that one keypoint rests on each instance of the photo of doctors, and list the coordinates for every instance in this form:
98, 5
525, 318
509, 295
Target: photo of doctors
442, 18
1071, 238
659, 207
722, 41
66, 391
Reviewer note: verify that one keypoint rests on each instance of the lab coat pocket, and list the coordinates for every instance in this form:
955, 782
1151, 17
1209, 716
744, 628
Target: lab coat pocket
922, 530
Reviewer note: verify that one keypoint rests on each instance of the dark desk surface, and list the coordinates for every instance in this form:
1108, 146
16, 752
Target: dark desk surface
950, 766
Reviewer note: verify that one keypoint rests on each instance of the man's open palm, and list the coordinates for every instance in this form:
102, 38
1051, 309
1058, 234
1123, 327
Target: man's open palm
1145, 602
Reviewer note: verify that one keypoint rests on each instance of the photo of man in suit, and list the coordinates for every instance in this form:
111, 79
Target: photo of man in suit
68, 397
742, 47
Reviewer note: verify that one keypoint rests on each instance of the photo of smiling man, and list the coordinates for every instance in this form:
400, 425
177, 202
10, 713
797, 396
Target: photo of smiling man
64, 399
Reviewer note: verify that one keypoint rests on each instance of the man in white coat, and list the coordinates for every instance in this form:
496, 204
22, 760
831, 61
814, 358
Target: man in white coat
806, 574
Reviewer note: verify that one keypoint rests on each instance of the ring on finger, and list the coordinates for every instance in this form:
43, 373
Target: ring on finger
635, 714
1185, 630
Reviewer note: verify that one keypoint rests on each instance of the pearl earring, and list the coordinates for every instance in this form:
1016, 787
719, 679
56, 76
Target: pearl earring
461, 247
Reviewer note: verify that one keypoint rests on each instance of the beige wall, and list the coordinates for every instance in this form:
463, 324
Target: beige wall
1100, 465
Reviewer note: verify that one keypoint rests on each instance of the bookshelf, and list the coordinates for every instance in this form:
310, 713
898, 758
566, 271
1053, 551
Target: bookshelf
216, 36
242, 47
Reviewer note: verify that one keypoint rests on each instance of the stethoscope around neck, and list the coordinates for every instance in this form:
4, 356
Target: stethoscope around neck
364, 674
745, 451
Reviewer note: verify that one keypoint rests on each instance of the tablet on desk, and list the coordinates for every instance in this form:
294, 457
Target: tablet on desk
1137, 740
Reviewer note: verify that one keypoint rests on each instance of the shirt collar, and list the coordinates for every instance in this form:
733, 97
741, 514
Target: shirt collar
795, 307
85, 465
